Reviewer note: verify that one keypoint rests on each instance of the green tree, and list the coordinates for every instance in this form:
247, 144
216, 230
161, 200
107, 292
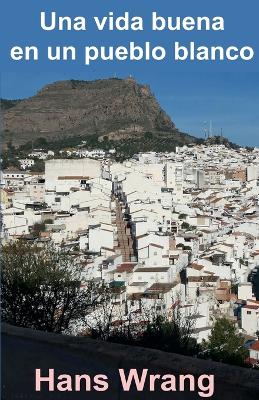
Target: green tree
234, 288
155, 331
41, 288
188, 227
37, 228
171, 336
225, 343
39, 166
148, 135
9, 157
40, 142
185, 225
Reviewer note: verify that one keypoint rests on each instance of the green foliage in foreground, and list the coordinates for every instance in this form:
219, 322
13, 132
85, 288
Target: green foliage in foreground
40, 288
171, 336
225, 344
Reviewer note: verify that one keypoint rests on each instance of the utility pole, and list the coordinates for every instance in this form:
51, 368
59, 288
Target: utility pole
210, 130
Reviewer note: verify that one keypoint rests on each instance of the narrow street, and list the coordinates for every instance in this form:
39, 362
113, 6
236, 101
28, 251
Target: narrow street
124, 238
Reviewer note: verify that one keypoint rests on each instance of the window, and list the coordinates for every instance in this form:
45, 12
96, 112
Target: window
248, 312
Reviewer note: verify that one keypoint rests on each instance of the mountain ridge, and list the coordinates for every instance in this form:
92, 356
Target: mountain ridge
114, 108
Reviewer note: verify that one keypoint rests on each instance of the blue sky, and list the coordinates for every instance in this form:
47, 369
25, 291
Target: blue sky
191, 93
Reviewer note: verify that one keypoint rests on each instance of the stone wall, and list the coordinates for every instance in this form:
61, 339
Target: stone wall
24, 350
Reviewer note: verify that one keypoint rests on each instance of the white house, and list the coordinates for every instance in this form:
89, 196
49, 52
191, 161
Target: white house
250, 318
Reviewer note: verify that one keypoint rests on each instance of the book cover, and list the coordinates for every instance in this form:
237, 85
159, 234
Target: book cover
129, 194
